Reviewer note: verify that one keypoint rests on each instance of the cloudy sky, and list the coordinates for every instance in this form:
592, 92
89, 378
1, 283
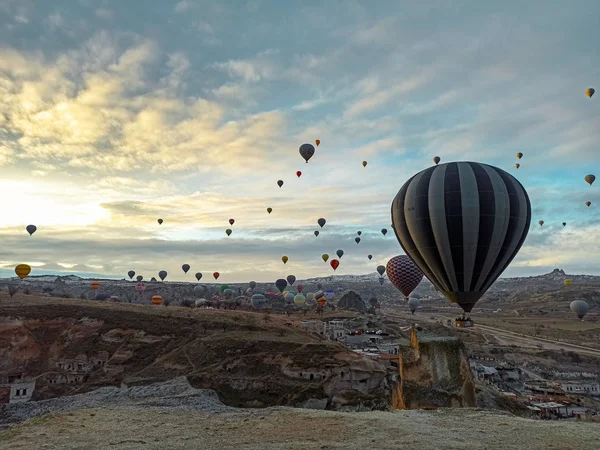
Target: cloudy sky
114, 114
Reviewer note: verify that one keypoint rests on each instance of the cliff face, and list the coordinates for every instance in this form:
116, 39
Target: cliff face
72, 346
434, 372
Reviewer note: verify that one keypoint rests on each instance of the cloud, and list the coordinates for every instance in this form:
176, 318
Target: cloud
182, 6
104, 13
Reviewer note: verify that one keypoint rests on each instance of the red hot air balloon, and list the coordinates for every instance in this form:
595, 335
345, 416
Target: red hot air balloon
298, 174
404, 274
216, 275
334, 264
231, 221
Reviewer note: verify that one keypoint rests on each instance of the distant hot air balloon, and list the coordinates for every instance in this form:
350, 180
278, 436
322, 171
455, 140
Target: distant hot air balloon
291, 279
252, 284
381, 270
384, 231
319, 285
139, 287
198, 276
317, 142
284, 259
589, 92
450, 217
541, 222
567, 282
139, 278
413, 304
590, 179
299, 300
300, 288
357, 240
95, 285
580, 308
289, 298
307, 151
317, 233
22, 270
359, 232
269, 210
185, 268
364, 164
162, 275
519, 155
131, 274
588, 203
224, 287
517, 165
258, 301
279, 183
339, 253
298, 174
157, 300
160, 221
216, 275
228, 231
370, 257
564, 224
321, 222
381, 280
334, 264
31, 229
325, 257
280, 284
231, 221
404, 274
436, 160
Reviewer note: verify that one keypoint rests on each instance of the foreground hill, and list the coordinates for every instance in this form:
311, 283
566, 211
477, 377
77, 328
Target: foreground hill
190, 418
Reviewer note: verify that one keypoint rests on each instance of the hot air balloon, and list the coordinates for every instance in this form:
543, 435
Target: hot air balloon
317, 233
321, 222
461, 223
519, 155
541, 222
359, 232
289, 298
95, 285
216, 275
22, 270
157, 300
564, 224
162, 275
334, 264
567, 282
580, 308
258, 301
317, 142
139, 278
231, 221
269, 210
319, 285
370, 257
160, 221
279, 183
364, 164
252, 284
300, 288
224, 287
198, 276
517, 165
436, 160
284, 259
381, 280
31, 229
590, 179
298, 174
384, 231
281, 284
291, 279
357, 240
339, 253
413, 304
307, 151
185, 268
404, 274
139, 287
588, 203
131, 274
320, 299
325, 257
228, 231
589, 92
299, 300
381, 270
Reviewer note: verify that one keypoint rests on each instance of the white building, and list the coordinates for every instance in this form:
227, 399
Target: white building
581, 388
21, 391
334, 329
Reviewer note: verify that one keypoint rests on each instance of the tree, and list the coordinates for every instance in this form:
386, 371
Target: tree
12, 290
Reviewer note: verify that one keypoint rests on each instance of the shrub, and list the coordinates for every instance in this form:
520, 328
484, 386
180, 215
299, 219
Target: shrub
187, 303
26, 292
66, 295
12, 290
82, 296
166, 302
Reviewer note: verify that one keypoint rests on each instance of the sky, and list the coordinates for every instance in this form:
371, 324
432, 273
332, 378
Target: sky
114, 114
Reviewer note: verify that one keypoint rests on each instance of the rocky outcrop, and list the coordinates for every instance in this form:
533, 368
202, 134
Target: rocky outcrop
351, 301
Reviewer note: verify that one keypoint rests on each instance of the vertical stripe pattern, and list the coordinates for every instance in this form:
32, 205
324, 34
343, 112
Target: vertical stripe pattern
462, 224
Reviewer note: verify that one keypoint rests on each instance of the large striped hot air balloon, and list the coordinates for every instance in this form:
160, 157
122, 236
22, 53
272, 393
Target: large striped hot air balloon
22, 270
404, 274
462, 223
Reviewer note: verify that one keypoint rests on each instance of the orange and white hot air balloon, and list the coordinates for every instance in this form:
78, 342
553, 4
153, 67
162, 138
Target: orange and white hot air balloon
157, 300
95, 285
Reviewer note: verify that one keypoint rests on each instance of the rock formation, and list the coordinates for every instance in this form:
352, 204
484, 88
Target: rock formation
351, 301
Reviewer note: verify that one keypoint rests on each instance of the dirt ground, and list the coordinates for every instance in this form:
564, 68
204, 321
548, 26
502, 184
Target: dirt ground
285, 428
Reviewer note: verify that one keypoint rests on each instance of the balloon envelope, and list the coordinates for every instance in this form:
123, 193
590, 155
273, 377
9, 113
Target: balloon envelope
22, 270
162, 275
381, 270
307, 151
462, 224
198, 276
321, 222
404, 274
580, 308
334, 264
281, 284
413, 304
291, 279
131, 274
258, 301
185, 268
31, 229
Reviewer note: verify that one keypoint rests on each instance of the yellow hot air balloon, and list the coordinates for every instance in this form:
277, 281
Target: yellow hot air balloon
284, 259
589, 92
157, 300
364, 163
22, 270
517, 165
325, 257
567, 282
317, 142
95, 285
